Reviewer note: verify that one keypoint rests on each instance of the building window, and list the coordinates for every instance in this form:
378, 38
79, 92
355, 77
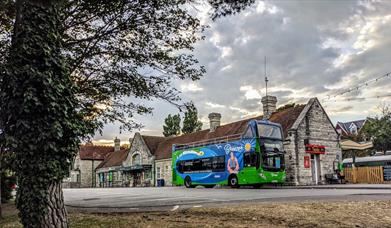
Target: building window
353, 129
136, 159
158, 172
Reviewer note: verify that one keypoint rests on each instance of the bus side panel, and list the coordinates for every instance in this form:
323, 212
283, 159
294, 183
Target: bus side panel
207, 177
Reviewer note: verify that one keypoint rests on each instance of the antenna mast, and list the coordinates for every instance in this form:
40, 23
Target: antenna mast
266, 80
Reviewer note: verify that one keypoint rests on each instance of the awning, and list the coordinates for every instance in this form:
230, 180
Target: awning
135, 168
351, 145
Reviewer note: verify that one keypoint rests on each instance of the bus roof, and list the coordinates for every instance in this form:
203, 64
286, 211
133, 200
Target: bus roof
368, 159
268, 122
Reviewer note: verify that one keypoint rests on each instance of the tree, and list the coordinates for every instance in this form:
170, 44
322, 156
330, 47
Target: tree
287, 106
67, 67
379, 130
41, 123
171, 125
190, 122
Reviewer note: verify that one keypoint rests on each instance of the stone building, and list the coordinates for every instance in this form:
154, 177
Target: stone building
82, 173
133, 167
311, 145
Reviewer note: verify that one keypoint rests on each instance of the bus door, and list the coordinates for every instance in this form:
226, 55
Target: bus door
249, 173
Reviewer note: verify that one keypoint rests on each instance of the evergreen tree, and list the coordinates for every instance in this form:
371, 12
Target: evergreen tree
191, 122
171, 125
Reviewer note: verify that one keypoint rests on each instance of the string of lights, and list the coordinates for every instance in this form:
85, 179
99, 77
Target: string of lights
358, 98
329, 98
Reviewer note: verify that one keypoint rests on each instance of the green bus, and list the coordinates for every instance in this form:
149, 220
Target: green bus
253, 158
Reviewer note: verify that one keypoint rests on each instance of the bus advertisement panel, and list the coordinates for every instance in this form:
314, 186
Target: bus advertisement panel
234, 163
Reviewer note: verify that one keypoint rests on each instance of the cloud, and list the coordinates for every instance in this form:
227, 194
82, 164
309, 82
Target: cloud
191, 87
313, 49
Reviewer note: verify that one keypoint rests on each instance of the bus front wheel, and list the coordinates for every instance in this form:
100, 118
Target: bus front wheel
233, 181
188, 182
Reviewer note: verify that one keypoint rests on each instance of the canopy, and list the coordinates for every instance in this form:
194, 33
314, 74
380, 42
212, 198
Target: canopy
351, 145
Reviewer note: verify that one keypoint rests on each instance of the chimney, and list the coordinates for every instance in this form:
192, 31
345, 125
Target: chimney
117, 144
214, 120
269, 105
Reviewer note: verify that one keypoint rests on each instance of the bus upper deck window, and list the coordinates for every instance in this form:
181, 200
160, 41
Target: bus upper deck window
248, 133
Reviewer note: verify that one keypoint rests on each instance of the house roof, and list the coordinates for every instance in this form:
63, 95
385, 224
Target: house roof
114, 159
286, 118
94, 152
345, 126
152, 142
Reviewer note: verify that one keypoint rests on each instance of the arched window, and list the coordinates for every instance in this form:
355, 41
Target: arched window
136, 159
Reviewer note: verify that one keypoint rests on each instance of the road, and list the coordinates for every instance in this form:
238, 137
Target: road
173, 198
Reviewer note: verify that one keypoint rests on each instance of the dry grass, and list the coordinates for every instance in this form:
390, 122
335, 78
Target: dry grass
292, 214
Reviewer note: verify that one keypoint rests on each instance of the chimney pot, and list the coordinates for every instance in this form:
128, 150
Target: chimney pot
214, 121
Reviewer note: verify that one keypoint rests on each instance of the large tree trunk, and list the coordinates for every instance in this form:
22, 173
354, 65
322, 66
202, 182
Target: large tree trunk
56, 215
35, 50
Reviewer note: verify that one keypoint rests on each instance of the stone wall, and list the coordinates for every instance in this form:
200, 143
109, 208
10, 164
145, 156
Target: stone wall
315, 128
164, 166
138, 147
83, 174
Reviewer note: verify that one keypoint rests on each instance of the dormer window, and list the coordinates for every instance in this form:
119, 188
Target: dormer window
353, 129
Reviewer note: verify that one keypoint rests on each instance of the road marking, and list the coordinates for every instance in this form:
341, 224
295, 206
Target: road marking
175, 208
197, 206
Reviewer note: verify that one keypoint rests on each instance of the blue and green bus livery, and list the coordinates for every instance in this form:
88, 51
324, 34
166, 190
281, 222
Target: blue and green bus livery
253, 158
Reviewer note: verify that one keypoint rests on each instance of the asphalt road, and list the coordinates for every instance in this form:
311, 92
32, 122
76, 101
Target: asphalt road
174, 198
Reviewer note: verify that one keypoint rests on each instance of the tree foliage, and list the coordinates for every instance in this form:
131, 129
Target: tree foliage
190, 122
121, 52
171, 125
287, 106
378, 129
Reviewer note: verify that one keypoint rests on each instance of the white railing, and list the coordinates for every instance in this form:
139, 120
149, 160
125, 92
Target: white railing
223, 139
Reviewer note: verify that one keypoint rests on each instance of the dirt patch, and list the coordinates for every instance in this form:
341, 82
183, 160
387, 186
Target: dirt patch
292, 214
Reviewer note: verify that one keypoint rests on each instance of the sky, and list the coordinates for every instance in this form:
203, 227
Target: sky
313, 49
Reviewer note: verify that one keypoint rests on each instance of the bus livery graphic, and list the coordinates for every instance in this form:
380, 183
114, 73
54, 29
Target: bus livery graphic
253, 158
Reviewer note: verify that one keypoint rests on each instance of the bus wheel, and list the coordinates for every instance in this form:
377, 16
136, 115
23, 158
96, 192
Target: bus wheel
188, 182
233, 181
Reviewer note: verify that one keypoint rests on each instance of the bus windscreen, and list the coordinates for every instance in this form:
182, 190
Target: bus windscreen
269, 131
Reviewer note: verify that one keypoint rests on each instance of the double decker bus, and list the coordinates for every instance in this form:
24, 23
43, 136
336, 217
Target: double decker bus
253, 158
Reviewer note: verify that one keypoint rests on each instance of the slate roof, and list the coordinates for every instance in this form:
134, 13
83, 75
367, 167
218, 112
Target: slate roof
114, 159
346, 125
152, 142
94, 152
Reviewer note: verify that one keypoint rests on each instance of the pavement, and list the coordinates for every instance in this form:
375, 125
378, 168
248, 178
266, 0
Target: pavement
113, 200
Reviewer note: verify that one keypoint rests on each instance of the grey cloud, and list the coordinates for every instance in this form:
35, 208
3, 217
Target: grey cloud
298, 66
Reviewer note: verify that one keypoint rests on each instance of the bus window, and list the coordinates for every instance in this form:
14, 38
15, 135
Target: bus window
250, 159
213, 164
273, 162
269, 131
248, 133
